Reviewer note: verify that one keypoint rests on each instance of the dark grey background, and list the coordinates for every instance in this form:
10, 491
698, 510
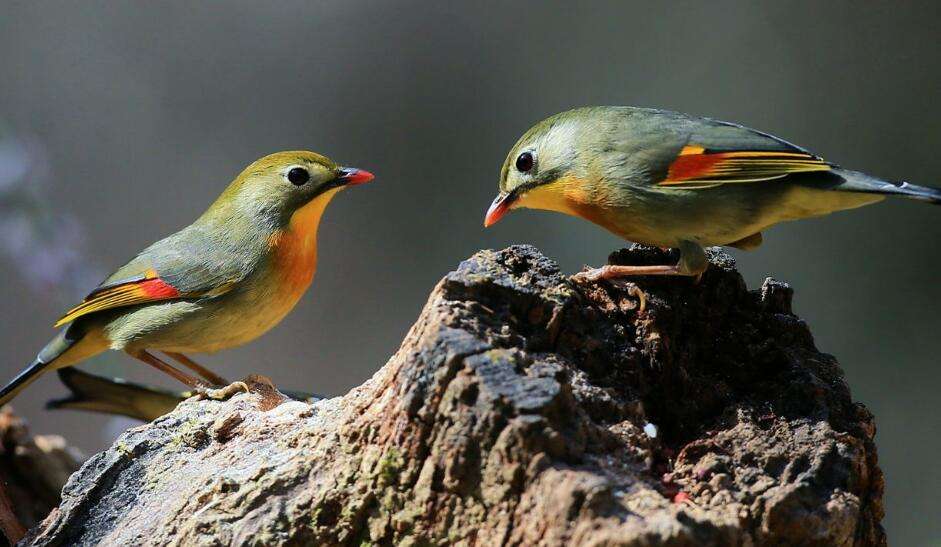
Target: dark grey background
137, 115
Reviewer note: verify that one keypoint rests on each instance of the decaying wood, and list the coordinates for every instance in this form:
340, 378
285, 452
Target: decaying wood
521, 410
13, 530
32, 472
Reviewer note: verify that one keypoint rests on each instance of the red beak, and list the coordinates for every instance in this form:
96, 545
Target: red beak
499, 207
352, 176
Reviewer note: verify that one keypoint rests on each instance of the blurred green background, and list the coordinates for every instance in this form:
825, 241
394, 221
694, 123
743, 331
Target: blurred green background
123, 121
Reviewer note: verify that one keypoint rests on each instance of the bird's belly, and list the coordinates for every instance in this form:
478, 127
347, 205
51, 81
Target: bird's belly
693, 228
711, 216
652, 229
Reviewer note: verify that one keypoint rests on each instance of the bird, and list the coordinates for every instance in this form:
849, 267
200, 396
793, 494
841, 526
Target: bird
674, 180
220, 282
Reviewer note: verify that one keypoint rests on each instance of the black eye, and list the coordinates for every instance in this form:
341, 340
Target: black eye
524, 162
298, 176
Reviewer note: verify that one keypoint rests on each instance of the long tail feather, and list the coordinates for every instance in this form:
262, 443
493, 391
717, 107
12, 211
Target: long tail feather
114, 396
45, 361
27, 376
854, 181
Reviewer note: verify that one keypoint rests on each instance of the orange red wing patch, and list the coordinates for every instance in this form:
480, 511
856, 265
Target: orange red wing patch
695, 167
140, 291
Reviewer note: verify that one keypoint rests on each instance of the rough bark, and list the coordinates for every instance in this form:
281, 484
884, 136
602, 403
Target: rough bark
515, 413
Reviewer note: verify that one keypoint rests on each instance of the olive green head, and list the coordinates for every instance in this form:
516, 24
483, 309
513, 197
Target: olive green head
555, 154
275, 186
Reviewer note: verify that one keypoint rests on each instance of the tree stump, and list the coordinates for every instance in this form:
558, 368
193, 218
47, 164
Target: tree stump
521, 410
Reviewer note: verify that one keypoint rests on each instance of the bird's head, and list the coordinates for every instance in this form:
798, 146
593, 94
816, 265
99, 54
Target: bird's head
551, 167
276, 188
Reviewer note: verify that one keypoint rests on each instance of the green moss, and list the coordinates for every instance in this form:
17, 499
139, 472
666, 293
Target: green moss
184, 434
389, 467
123, 449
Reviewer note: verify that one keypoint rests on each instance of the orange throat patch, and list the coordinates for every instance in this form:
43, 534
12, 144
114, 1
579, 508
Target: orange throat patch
576, 197
294, 249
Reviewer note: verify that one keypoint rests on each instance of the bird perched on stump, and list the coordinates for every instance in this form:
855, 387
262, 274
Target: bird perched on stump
672, 180
220, 282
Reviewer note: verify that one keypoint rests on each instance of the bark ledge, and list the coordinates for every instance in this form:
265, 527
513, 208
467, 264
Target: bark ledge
515, 413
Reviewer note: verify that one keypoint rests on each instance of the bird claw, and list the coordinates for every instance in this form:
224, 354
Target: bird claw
633, 290
590, 275
593, 275
222, 393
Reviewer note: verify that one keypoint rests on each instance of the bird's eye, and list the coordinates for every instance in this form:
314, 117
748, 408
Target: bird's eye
298, 176
524, 162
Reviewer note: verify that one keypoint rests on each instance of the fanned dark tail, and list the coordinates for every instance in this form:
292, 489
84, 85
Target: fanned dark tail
114, 396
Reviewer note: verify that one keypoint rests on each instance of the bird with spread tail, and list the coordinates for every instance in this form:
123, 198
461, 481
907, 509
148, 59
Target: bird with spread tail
218, 283
673, 180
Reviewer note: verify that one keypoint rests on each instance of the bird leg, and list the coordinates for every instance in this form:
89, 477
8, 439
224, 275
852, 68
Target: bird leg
693, 262
202, 389
634, 290
612, 271
142, 355
197, 368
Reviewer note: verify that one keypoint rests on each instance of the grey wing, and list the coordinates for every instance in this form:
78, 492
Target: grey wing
190, 261
688, 152
197, 262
